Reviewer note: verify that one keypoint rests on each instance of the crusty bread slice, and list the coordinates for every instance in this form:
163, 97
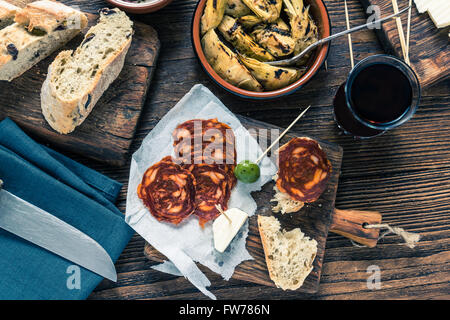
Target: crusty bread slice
77, 79
21, 48
285, 204
49, 15
289, 255
7, 13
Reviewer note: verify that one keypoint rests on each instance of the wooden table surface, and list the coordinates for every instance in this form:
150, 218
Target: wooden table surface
405, 174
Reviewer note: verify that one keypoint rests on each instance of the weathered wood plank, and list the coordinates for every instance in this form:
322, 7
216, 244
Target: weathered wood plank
108, 132
429, 53
371, 171
314, 220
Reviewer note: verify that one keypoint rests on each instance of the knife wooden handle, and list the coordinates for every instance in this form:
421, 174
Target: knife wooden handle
350, 224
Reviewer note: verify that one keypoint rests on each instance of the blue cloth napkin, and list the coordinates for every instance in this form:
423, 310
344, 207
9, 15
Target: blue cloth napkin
70, 191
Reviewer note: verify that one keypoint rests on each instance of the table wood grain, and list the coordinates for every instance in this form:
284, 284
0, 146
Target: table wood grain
429, 46
314, 220
107, 133
405, 174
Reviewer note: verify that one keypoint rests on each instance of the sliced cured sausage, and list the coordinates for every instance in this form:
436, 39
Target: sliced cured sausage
167, 159
213, 188
199, 177
204, 141
229, 170
304, 169
168, 191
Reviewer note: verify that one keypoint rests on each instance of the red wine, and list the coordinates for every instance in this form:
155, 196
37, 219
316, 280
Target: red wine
380, 93
345, 120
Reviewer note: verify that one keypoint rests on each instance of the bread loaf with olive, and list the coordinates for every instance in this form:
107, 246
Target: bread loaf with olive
77, 79
39, 29
7, 13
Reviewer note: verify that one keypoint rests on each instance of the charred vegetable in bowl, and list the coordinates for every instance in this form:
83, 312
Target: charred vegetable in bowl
240, 36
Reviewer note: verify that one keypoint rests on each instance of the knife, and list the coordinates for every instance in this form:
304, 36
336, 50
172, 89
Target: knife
45, 230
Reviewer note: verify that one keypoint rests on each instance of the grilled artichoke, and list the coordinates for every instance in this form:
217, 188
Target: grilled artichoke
280, 24
252, 34
212, 15
267, 10
304, 30
276, 40
237, 8
249, 21
245, 44
271, 77
226, 64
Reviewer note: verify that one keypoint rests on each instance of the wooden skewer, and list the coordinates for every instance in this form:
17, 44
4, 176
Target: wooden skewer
400, 31
219, 208
350, 47
408, 31
281, 136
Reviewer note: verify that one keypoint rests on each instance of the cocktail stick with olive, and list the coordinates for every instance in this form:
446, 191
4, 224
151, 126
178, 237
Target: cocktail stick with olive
248, 171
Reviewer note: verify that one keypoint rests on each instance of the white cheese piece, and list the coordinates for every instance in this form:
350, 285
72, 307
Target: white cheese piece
422, 5
439, 11
224, 231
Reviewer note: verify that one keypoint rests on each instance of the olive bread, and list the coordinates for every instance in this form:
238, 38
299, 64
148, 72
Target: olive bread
29, 40
77, 79
7, 13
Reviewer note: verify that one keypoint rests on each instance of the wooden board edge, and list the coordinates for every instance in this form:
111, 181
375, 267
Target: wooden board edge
337, 147
146, 37
124, 157
389, 48
153, 255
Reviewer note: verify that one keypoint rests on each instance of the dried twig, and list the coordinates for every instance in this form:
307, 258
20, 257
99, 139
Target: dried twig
408, 31
281, 135
400, 31
349, 36
219, 208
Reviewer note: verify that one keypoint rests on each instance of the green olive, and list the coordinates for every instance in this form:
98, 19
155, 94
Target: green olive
247, 171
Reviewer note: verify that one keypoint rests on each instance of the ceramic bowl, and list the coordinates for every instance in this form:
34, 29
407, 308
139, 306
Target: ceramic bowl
320, 15
136, 7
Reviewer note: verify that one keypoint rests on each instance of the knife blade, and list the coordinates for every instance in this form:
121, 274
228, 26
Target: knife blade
47, 231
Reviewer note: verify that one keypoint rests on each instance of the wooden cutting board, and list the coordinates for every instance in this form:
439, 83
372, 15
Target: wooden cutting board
314, 220
107, 133
429, 52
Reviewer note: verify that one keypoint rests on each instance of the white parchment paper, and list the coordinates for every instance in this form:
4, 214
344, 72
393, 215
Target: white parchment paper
188, 243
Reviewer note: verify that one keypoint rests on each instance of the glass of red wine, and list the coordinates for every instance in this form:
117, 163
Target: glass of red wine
381, 93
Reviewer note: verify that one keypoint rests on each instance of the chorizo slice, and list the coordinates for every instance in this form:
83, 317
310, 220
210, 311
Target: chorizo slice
213, 188
204, 141
168, 191
229, 170
304, 169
